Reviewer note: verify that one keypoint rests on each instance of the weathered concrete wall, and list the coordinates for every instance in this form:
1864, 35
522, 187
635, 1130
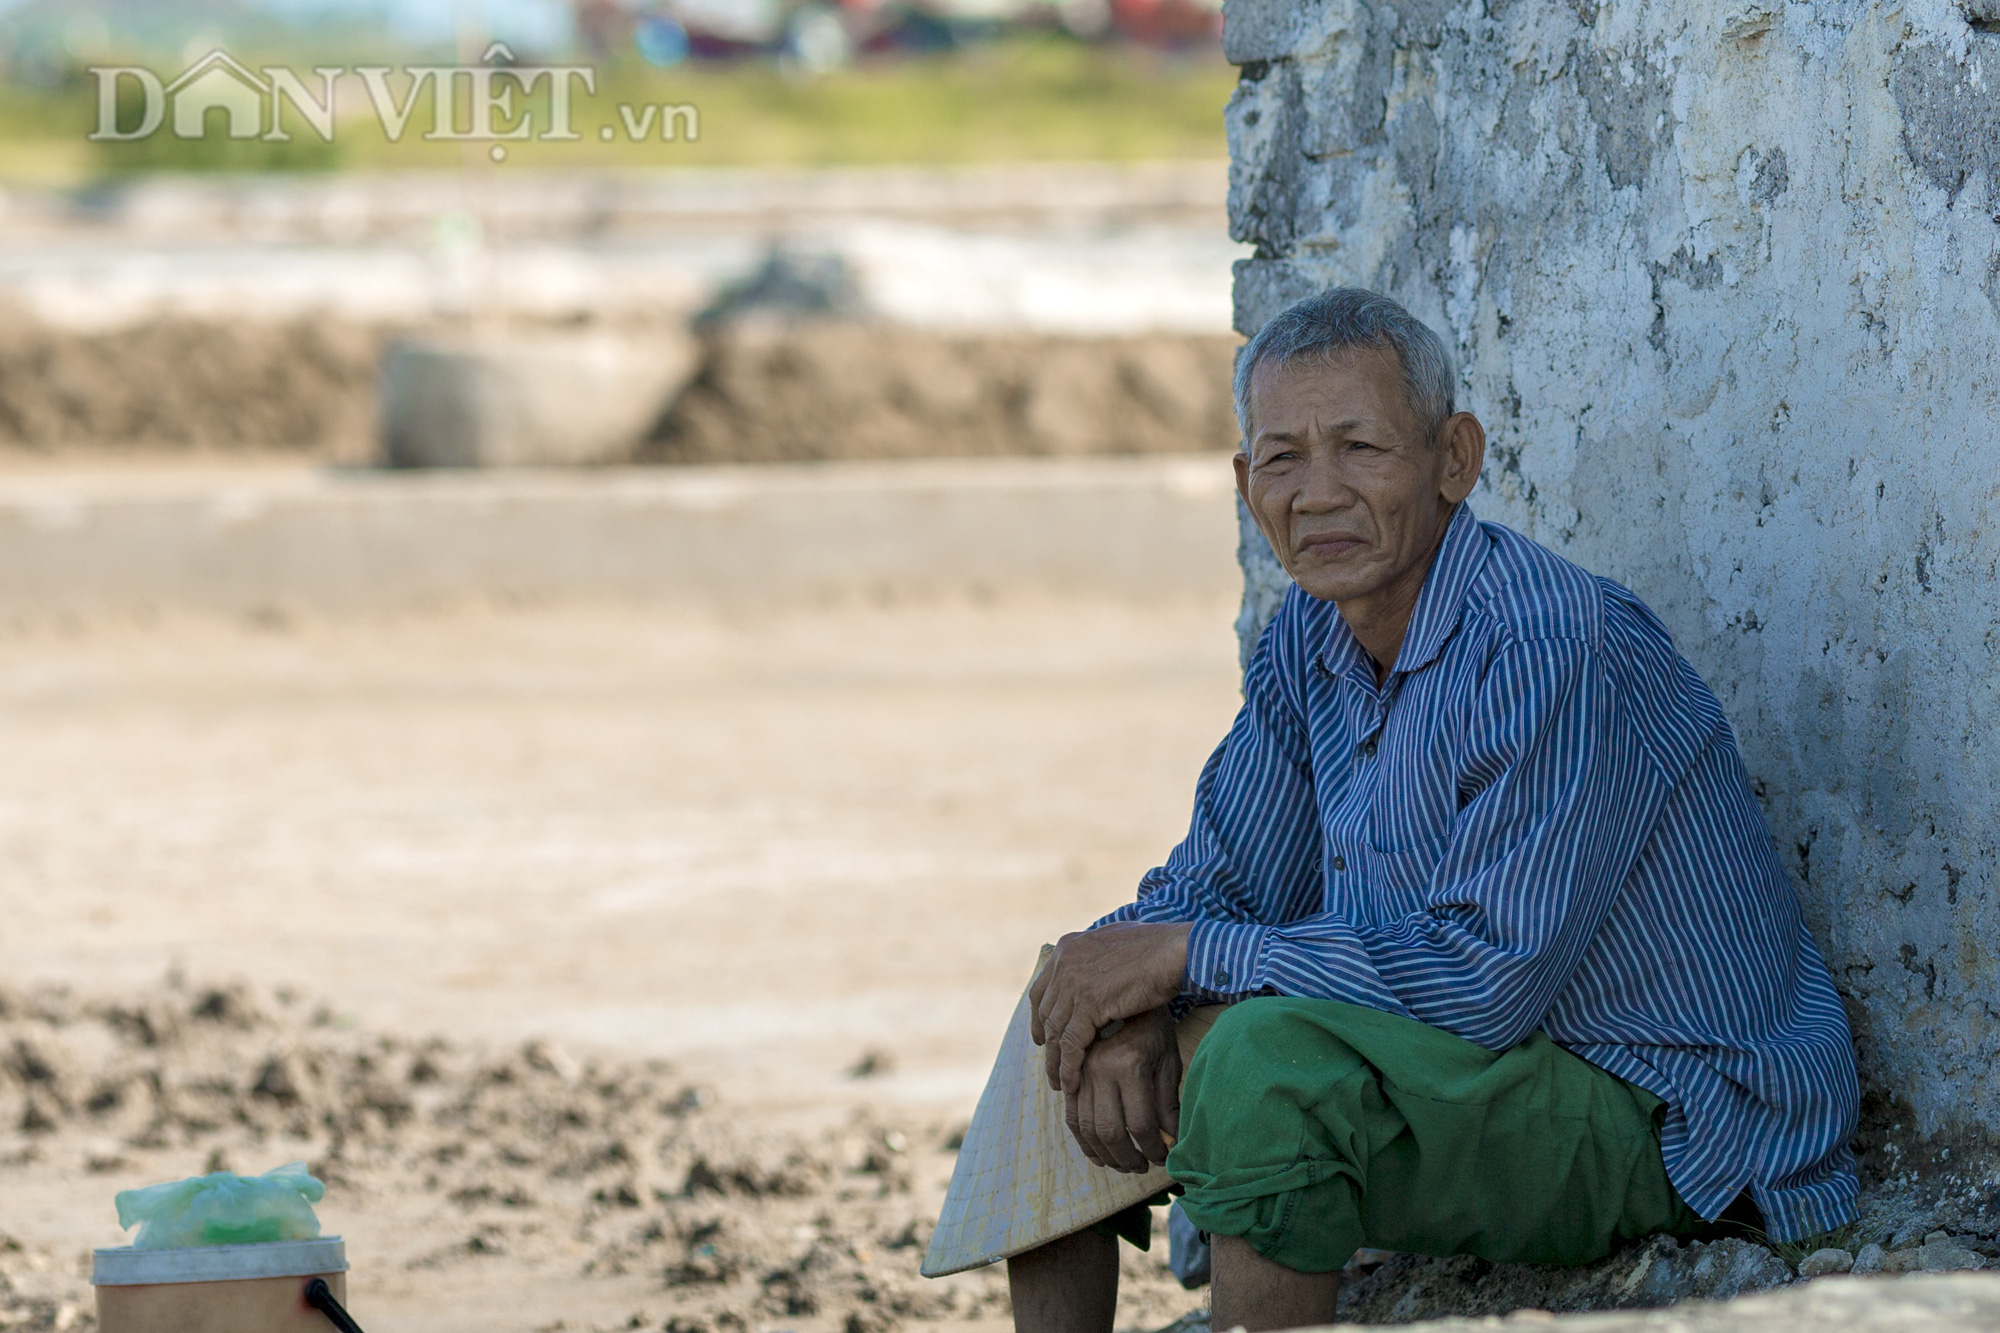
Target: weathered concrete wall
1723, 278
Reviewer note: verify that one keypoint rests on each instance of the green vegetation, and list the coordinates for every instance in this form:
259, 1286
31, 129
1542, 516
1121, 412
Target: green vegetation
1023, 99
1851, 1238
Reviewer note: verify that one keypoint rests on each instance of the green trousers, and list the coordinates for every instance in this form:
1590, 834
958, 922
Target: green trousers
1311, 1128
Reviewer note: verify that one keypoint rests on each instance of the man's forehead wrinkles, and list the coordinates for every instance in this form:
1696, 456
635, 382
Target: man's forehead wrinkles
1347, 426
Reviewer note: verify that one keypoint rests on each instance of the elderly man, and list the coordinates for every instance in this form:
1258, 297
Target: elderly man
1510, 964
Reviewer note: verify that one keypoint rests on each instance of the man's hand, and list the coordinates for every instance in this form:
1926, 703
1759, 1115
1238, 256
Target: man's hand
1098, 976
1126, 1110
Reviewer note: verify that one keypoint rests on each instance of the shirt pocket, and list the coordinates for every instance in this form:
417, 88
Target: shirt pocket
1398, 878
1411, 811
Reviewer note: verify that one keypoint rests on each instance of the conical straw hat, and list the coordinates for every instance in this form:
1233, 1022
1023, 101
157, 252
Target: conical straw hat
1021, 1181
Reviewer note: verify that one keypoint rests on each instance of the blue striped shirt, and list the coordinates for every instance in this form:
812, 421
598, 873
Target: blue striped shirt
1538, 821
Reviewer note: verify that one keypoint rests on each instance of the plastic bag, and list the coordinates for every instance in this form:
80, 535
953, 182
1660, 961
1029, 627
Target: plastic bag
223, 1208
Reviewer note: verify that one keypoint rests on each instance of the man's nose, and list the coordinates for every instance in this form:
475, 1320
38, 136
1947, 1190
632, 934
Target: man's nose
1322, 488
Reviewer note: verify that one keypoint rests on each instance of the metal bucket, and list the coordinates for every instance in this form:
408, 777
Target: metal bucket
217, 1288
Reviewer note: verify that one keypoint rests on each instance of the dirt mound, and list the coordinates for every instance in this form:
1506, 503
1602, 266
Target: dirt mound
1656, 1272
767, 392
305, 387
794, 390
524, 1152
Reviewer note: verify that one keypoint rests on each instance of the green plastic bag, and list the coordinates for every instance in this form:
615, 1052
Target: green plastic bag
223, 1208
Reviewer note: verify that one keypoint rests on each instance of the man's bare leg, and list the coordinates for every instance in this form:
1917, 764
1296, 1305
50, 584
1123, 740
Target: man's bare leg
1066, 1286
1256, 1293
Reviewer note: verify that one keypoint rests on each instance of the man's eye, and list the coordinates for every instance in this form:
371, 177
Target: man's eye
1359, 444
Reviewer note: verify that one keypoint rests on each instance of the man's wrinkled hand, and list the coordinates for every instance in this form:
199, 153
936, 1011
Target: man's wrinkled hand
1125, 1113
1097, 977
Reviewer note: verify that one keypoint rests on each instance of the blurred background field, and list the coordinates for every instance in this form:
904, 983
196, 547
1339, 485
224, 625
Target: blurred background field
1018, 99
720, 600
963, 89
197, 256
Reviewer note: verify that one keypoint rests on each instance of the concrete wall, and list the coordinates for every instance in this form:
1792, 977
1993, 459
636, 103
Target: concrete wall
1723, 278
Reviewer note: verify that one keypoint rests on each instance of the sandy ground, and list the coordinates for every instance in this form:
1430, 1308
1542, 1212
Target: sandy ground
757, 849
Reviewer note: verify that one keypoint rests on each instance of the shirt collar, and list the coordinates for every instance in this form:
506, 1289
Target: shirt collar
1460, 556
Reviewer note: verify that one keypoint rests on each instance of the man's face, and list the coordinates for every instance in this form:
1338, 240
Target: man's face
1340, 476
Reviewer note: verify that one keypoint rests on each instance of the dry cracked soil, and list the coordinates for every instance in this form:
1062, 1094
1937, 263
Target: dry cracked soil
616, 967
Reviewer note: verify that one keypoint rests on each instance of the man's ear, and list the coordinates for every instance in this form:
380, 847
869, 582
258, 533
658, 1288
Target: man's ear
1242, 462
1463, 442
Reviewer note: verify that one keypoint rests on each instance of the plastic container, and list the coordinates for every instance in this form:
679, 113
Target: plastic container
217, 1288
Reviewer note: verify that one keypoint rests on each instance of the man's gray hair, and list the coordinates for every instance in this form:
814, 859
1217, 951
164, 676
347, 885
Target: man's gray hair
1324, 327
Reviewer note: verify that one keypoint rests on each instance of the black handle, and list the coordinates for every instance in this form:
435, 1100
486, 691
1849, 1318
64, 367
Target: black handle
320, 1297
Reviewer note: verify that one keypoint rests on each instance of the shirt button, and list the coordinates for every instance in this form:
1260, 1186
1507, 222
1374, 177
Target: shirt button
1340, 863
1368, 748
1222, 976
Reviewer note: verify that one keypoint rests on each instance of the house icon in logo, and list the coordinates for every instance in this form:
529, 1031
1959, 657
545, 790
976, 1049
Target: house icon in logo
218, 81
249, 100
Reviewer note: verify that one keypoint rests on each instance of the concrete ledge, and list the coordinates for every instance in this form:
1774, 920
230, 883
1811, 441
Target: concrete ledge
345, 207
240, 541
1917, 1303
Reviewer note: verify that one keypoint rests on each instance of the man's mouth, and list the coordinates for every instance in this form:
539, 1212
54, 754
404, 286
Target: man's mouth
1328, 546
